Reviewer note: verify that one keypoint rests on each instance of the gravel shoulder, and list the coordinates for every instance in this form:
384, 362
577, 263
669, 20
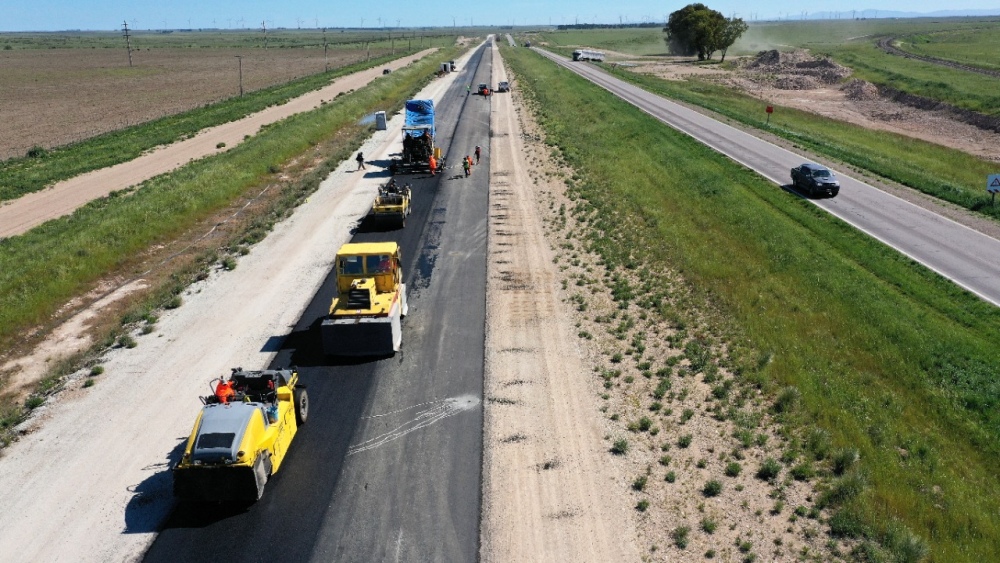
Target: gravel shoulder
549, 491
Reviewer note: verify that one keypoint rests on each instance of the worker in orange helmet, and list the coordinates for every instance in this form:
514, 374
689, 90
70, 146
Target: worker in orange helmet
433, 164
224, 391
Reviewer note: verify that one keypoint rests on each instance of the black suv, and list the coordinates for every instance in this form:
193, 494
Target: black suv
815, 180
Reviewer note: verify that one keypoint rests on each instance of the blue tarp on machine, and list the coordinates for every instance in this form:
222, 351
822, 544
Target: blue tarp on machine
420, 113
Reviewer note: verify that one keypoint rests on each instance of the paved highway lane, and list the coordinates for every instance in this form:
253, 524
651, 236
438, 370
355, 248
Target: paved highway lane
967, 257
388, 467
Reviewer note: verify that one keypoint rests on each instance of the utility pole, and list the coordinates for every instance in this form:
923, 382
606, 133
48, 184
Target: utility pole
263, 26
240, 57
128, 42
326, 59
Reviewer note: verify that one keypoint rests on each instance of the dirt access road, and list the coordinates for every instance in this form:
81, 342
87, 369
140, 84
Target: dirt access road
34, 209
550, 492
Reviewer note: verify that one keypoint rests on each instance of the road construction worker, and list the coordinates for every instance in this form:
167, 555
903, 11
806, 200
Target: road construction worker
467, 165
468, 89
224, 391
478, 151
432, 162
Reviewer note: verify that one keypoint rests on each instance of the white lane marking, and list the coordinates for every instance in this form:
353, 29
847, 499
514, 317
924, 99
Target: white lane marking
437, 411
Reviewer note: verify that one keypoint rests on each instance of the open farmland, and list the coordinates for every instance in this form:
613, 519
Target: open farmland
60, 89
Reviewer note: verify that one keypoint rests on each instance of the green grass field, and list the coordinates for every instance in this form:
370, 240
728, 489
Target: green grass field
641, 41
976, 46
889, 358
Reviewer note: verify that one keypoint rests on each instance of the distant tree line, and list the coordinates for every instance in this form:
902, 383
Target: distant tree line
699, 30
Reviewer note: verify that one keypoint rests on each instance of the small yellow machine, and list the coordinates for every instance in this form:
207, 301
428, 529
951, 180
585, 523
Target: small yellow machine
392, 203
241, 436
366, 316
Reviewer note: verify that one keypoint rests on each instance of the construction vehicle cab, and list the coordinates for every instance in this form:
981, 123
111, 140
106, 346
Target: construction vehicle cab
392, 203
240, 440
365, 317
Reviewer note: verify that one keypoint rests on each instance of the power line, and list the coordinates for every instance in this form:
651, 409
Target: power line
128, 42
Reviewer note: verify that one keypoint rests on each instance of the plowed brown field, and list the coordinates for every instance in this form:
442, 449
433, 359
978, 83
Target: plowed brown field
52, 97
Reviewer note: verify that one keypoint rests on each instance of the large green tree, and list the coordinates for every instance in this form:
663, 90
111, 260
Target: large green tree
699, 30
731, 31
694, 30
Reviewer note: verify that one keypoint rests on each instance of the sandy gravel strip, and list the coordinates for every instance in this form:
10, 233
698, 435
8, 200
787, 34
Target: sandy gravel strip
33, 209
549, 491
90, 481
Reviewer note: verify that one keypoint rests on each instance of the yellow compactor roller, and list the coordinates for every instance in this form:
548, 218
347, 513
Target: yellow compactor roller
365, 317
392, 203
241, 436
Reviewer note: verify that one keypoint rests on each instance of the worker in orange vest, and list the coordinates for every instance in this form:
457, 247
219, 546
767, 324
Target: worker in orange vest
224, 391
433, 164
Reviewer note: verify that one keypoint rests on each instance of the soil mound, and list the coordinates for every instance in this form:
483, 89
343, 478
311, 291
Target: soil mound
860, 90
796, 82
794, 70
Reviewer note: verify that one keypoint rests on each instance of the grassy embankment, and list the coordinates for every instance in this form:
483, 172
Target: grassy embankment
959, 88
975, 47
887, 357
23, 175
44, 268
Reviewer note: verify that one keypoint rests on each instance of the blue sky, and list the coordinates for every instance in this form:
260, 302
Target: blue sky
54, 15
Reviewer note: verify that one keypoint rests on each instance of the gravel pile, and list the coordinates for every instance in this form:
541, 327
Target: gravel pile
860, 90
796, 82
795, 70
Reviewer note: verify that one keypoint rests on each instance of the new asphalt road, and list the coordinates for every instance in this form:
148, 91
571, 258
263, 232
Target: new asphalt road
388, 467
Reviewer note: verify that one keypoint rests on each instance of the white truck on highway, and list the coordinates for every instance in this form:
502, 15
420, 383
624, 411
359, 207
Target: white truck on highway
587, 55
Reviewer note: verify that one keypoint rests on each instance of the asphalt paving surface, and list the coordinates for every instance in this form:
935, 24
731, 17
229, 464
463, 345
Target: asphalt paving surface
965, 256
388, 466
